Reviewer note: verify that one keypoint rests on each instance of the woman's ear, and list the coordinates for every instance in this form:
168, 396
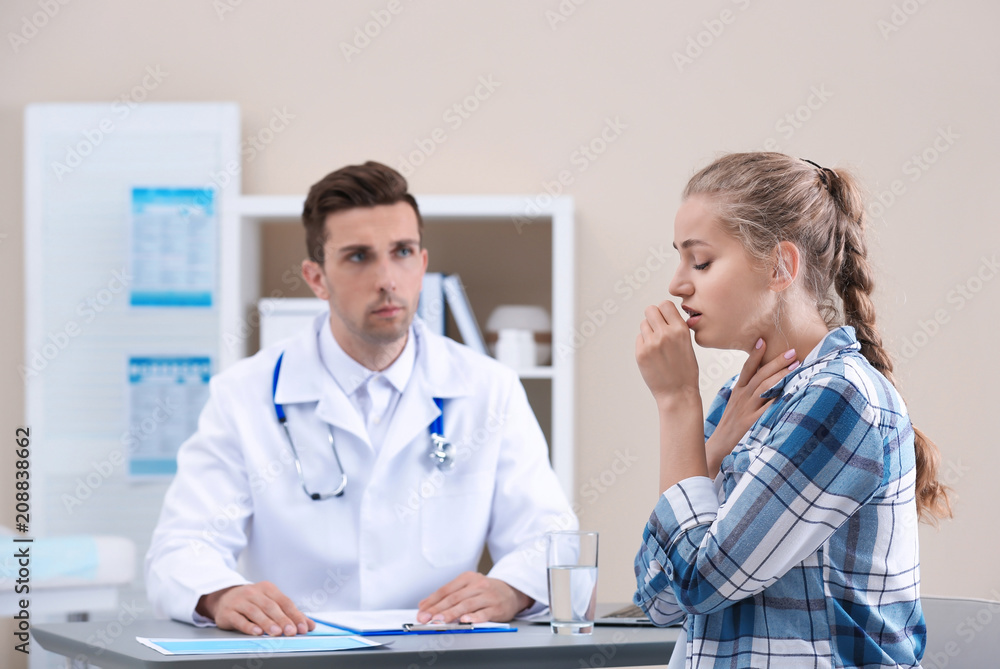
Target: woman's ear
785, 267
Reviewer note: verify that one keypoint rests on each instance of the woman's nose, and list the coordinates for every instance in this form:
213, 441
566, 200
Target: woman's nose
679, 286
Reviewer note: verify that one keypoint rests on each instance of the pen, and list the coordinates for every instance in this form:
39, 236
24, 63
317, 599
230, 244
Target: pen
436, 627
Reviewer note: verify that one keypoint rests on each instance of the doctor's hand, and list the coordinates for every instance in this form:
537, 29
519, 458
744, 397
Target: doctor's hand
256, 608
745, 405
473, 598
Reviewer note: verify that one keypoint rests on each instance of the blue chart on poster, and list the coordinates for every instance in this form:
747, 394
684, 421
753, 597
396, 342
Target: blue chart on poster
173, 247
166, 396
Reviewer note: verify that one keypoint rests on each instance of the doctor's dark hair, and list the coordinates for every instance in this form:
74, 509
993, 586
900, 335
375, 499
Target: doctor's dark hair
350, 187
762, 199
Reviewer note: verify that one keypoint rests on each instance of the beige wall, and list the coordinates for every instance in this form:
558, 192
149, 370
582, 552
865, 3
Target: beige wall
879, 98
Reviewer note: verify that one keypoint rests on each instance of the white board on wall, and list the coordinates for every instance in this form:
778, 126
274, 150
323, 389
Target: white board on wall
82, 164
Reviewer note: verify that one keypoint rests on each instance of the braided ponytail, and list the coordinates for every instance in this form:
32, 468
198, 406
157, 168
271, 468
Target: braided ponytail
854, 284
765, 198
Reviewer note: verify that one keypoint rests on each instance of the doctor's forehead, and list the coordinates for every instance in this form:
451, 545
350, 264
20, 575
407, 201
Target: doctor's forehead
372, 226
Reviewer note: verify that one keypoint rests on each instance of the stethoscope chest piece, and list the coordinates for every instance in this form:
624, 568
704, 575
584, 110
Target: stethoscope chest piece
442, 453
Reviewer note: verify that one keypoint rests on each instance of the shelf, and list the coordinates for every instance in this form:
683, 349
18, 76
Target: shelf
536, 373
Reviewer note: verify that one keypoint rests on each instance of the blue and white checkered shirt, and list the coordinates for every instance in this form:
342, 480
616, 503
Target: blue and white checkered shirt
804, 551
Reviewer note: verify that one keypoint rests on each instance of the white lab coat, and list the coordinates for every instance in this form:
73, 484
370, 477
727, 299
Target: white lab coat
236, 512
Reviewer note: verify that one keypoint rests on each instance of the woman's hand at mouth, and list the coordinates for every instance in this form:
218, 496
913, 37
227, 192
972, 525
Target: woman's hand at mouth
665, 355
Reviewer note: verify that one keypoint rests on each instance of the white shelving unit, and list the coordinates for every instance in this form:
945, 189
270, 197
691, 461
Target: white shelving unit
240, 272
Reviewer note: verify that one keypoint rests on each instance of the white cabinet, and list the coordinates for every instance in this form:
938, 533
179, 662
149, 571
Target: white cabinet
502, 256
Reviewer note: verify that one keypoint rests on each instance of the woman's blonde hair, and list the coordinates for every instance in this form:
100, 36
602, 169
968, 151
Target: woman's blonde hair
766, 198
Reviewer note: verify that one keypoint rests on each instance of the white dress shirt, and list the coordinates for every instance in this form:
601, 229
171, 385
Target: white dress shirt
374, 394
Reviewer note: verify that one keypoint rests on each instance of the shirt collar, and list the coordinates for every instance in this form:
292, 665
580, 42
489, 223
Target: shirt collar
835, 343
351, 374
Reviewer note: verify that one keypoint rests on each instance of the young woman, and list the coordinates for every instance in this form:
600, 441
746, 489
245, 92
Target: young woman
803, 551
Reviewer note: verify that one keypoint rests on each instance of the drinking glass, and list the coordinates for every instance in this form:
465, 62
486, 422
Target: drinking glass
572, 567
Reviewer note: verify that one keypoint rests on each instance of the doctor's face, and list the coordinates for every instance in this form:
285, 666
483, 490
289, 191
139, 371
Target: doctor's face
371, 275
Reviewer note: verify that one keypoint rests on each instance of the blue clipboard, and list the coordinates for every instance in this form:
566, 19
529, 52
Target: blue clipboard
341, 621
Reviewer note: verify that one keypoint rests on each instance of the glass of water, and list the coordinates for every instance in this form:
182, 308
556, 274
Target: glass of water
572, 565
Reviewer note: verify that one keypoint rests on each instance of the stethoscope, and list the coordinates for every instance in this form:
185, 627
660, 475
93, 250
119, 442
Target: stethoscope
442, 452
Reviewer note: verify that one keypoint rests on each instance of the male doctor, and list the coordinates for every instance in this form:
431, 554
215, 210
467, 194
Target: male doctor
351, 508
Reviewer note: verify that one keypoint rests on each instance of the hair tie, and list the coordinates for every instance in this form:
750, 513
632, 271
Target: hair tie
822, 172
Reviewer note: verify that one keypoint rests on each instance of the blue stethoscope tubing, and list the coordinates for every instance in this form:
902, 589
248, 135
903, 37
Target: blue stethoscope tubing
442, 452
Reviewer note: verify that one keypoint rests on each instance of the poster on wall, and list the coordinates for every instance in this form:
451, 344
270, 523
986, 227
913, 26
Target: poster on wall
173, 247
166, 396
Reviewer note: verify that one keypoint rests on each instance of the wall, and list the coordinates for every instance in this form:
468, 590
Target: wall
903, 91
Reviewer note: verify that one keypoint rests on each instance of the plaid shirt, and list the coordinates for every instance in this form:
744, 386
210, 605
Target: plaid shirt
804, 551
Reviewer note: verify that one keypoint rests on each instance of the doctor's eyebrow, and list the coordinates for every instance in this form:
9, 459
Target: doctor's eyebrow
351, 249
688, 243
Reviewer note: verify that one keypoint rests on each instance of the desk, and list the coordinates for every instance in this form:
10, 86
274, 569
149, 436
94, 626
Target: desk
532, 646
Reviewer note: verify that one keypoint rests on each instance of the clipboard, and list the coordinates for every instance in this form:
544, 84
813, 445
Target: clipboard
399, 622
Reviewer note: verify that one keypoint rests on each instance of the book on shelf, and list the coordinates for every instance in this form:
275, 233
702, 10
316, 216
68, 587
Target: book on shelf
431, 305
458, 304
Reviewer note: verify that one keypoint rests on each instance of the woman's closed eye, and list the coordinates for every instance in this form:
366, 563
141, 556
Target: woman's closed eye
703, 265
